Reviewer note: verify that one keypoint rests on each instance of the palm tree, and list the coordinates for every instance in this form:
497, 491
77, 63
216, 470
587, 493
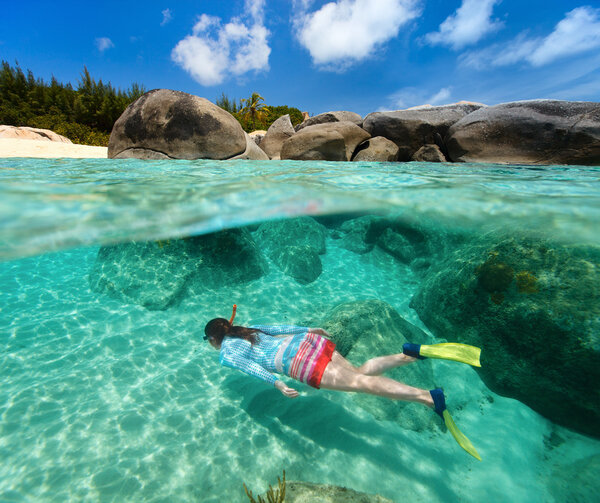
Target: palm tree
254, 108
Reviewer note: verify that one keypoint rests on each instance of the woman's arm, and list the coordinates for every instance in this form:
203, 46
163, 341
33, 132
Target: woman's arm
234, 357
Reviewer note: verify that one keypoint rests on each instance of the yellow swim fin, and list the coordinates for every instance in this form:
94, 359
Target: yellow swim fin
452, 351
458, 435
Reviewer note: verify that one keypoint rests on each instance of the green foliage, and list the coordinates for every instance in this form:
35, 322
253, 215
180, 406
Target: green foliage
267, 114
277, 496
85, 115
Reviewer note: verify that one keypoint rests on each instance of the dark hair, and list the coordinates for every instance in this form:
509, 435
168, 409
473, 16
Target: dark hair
218, 328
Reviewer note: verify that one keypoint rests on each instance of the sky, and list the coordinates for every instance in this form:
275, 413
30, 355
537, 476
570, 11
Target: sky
318, 56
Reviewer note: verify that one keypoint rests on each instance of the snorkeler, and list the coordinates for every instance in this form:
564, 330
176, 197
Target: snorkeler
305, 354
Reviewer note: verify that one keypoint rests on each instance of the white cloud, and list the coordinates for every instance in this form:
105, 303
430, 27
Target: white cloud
469, 24
411, 97
214, 51
167, 16
577, 32
104, 43
347, 31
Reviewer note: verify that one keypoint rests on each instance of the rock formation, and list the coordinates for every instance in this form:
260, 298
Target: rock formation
378, 149
294, 245
168, 124
534, 306
328, 117
529, 132
411, 129
31, 133
277, 133
334, 141
157, 274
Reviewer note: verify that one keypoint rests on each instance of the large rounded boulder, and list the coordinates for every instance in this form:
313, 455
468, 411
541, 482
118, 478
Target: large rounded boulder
529, 132
533, 306
327, 117
277, 133
336, 141
413, 128
165, 124
378, 149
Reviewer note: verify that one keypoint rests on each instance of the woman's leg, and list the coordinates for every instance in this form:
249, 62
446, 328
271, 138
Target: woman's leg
375, 366
340, 378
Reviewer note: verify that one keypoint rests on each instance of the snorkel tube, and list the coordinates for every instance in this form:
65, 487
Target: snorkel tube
233, 314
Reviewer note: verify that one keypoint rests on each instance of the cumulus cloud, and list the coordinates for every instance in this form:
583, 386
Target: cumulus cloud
215, 51
104, 43
167, 16
577, 32
411, 96
347, 31
469, 24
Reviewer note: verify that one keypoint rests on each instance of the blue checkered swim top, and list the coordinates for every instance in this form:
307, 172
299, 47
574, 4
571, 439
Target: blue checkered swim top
264, 357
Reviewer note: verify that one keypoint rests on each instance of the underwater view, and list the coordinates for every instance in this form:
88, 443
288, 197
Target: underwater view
110, 269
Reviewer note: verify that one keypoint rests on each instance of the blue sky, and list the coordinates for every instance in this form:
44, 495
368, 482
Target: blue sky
359, 55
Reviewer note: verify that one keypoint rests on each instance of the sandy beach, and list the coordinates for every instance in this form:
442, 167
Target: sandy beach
11, 147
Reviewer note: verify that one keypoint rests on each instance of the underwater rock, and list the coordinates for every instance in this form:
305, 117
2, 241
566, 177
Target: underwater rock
531, 132
300, 262
176, 125
335, 141
397, 246
365, 329
378, 149
152, 274
277, 133
157, 274
294, 245
533, 306
577, 482
306, 492
360, 234
411, 129
328, 117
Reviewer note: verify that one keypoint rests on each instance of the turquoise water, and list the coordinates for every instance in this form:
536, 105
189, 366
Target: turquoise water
103, 399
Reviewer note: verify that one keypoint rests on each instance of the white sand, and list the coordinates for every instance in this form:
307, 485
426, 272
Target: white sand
11, 147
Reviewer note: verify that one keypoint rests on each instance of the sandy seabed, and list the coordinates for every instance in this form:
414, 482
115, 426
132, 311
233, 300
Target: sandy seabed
11, 147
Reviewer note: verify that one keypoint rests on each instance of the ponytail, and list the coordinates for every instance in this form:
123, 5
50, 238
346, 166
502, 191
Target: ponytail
219, 328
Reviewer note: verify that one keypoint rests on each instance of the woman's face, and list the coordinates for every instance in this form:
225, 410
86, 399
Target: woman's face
213, 342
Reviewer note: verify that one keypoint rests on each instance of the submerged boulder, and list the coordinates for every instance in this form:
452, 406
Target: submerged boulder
365, 329
334, 141
529, 132
378, 149
165, 124
277, 133
294, 245
307, 492
411, 129
158, 274
327, 117
534, 308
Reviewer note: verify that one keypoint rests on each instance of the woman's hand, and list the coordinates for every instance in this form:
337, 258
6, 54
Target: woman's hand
319, 331
289, 392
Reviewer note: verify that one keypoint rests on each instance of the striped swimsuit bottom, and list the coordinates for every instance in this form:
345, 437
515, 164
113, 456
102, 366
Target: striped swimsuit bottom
308, 365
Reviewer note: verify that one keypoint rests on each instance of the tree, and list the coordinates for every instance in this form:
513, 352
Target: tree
254, 108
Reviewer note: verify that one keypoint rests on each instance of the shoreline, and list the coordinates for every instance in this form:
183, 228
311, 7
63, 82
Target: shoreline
15, 147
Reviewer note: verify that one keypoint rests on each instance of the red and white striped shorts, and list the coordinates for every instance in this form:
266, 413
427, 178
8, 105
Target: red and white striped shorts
314, 354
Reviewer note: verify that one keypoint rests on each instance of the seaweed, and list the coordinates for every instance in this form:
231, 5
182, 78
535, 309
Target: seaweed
526, 282
273, 496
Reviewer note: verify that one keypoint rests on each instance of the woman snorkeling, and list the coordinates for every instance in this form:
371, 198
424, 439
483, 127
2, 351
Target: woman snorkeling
305, 354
